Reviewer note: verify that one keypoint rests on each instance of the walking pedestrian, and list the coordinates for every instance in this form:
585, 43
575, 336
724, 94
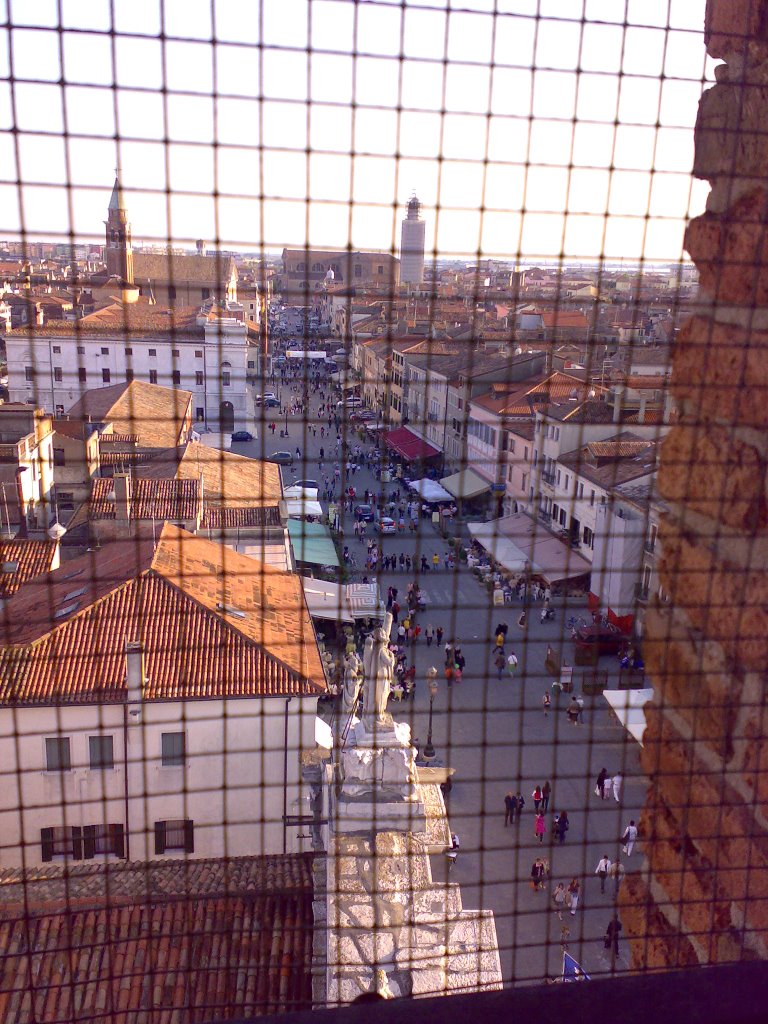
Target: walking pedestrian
424, 564
572, 711
429, 634
539, 827
546, 791
600, 785
439, 635
435, 562
546, 701
574, 891
500, 662
617, 781
448, 650
509, 808
512, 664
536, 798
558, 898
612, 932
562, 826
629, 838
602, 869
520, 804
537, 874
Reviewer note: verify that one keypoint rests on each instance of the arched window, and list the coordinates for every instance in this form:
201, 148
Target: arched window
317, 266
301, 267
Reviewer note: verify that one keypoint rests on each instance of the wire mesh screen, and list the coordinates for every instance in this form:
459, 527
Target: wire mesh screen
338, 340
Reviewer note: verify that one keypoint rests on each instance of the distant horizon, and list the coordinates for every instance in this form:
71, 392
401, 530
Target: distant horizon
526, 262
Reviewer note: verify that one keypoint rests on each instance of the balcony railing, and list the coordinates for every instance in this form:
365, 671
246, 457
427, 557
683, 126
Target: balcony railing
548, 478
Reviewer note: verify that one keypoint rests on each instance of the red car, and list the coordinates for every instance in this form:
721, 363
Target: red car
607, 639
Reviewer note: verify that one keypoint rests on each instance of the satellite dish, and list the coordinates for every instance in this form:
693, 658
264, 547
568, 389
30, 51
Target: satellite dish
56, 531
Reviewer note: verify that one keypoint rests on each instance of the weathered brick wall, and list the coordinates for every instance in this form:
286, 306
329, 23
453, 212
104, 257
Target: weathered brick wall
702, 896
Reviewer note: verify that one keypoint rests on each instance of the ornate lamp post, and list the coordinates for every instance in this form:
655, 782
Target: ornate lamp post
429, 750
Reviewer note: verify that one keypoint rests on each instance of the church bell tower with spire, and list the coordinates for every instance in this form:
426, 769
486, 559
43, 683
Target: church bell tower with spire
119, 254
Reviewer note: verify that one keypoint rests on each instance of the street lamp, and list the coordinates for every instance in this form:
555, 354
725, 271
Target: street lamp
429, 750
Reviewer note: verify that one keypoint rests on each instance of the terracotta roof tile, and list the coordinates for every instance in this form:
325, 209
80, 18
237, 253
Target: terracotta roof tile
217, 518
29, 557
149, 499
177, 941
213, 623
232, 481
116, 438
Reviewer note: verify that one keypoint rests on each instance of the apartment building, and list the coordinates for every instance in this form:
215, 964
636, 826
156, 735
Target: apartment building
154, 702
208, 351
585, 481
26, 469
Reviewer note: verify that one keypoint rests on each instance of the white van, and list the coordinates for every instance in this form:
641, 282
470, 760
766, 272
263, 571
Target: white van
349, 403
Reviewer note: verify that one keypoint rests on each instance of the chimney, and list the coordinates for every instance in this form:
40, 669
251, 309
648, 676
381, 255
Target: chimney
122, 485
134, 678
39, 316
22, 503
618, 393
643, 404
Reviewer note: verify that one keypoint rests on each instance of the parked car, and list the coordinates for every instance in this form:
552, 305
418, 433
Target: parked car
242, 435
308, 485
281, 458
606, 638
364, 513
271, 403
387, 525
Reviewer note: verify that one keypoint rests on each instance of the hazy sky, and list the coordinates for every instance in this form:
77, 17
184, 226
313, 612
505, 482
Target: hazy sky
549, 116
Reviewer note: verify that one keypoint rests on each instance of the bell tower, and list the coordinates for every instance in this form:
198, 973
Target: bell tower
119, 254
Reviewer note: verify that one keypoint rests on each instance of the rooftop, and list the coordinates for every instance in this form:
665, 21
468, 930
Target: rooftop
213, 623
134, 320
175, 941
613, 461
229, 480
23, 560
156, 414
212, 271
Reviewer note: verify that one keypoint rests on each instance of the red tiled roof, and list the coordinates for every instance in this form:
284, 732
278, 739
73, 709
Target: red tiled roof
30, 558
118, 439
123, 458
177, 941
230, 480
157, 414
217, 518
617, 449
560, 318
213, 623
409, 445
149, 499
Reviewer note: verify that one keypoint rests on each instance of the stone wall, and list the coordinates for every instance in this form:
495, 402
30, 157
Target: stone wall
702, 896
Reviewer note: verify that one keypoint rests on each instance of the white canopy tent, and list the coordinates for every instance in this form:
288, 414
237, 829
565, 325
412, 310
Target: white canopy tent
466, 484
297, 508
532, 548
629, 708
343, 603
430, 490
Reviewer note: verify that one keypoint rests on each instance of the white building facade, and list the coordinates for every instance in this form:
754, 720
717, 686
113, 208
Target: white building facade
209, 353
203, 778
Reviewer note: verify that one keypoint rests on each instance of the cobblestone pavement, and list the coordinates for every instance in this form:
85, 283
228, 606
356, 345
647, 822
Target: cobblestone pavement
496, 737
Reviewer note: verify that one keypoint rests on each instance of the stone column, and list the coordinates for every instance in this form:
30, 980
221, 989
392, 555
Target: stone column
702, 896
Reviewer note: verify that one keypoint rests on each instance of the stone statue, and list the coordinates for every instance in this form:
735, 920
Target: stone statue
352, 683
379, 668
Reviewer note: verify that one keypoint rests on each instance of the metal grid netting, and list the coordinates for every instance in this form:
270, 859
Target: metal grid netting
550, 148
